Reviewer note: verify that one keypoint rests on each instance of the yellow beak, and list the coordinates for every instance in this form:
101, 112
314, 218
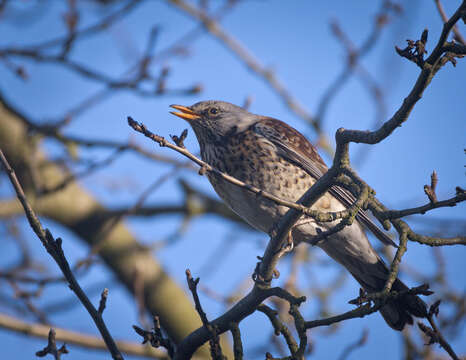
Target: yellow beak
186, 113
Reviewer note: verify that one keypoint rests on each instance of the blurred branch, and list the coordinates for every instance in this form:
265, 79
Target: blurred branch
353, 57
458, 36
103, 24
196, 203
26, 297
111, 222
119, 146
147, 58
67, 140
17, 277
135, 79
244, 55
91, 168
37, 52
79, 339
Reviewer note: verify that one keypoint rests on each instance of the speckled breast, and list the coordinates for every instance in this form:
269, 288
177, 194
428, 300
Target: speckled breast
252, 159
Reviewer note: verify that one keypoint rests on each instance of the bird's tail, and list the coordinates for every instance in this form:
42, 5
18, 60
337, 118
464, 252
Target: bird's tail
351, 249
398, 312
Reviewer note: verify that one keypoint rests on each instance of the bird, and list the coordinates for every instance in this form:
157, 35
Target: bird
269, 154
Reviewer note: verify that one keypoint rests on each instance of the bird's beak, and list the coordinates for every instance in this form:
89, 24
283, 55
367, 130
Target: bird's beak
186, 113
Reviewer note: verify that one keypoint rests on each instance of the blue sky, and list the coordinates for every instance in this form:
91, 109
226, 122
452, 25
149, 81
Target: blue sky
294, 40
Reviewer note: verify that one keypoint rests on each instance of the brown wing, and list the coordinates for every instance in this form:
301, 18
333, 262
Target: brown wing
295, 148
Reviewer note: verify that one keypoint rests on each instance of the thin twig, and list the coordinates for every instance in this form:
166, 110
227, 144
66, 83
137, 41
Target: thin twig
51, 347
214, 341
434, 333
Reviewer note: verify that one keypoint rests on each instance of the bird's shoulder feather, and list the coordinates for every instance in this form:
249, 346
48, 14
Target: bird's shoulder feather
294, 147
291, 141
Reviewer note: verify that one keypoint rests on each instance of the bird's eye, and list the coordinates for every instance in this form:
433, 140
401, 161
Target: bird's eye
213, 111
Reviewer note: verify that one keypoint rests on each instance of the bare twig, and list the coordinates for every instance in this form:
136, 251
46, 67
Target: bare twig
214, 341
433, 332
237, 342
51, 347
155, 337
430, 189
103, 301
415, 50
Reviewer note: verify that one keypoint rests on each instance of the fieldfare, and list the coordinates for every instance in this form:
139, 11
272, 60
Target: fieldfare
272, 156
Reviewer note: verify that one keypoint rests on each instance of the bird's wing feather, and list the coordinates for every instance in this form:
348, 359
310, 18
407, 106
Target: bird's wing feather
294, 147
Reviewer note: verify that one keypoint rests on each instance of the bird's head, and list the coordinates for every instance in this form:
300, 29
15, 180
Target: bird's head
213, 120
